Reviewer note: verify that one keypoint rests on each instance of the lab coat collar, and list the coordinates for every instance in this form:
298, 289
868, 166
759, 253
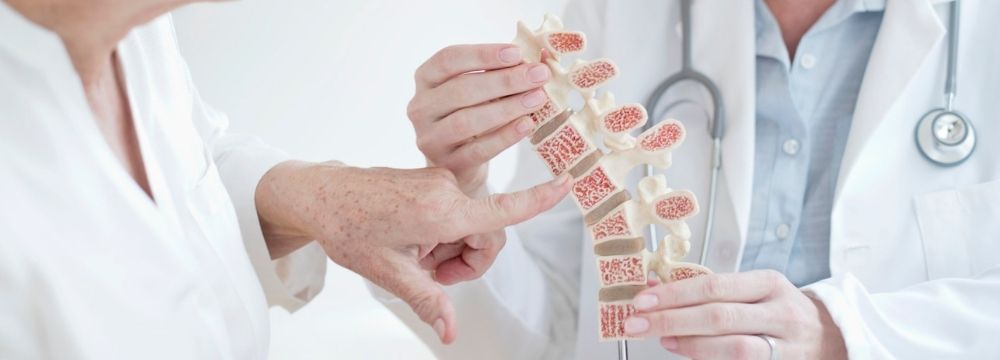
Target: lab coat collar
879, 5
909, 32
727, 58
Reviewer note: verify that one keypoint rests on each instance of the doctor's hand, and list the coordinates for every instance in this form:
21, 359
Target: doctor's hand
470, 105
719, 317
376, 222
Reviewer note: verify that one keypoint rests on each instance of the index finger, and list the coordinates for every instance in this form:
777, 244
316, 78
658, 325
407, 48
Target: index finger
460, 59
501, 210
745, 287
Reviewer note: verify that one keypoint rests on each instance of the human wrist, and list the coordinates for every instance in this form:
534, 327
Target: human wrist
832, 345
283, 198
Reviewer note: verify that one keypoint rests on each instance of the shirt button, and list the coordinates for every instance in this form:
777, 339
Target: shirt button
782, 231
790, 147
808, 61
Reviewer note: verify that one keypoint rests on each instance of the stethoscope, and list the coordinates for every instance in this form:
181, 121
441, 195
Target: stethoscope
944, 136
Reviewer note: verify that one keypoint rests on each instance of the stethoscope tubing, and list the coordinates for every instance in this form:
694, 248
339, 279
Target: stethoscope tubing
717, 125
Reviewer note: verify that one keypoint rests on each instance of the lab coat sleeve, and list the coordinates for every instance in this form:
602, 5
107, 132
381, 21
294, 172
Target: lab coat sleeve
242, 160
940, 319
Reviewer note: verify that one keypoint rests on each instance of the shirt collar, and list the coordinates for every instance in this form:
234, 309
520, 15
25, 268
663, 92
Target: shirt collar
769, 38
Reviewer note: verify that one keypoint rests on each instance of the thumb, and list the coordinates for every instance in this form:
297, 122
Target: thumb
500, 210
402, 276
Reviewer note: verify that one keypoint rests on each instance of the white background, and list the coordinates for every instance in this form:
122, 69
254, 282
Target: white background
331, 80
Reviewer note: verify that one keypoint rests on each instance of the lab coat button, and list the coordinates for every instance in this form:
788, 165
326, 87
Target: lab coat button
808, 61
790, 147
782, 231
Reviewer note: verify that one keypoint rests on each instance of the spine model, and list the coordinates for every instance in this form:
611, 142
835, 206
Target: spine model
567, 141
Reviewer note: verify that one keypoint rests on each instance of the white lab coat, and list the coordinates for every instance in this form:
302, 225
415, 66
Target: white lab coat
90, 268
914, 248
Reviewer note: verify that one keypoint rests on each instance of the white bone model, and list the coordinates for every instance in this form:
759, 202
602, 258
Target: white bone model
567, 142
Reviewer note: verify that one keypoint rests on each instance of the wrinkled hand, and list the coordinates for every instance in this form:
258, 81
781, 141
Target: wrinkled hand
374, 221
470, 105
718, 317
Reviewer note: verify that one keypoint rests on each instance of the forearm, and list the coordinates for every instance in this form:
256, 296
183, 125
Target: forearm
275, 197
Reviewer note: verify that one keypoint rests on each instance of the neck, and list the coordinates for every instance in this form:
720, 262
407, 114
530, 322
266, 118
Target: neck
91, 29
795, 17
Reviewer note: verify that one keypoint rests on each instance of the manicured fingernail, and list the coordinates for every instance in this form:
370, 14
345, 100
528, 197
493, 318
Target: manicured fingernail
524, 126
510, 55
533, 99
562, 180
439, 328
538, 73
645, 302
669, 342
635, 325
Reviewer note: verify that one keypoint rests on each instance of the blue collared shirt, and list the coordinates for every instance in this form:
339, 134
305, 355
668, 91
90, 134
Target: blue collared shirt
804, 111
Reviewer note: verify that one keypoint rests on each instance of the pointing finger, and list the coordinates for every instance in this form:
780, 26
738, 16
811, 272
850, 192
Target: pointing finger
501, 210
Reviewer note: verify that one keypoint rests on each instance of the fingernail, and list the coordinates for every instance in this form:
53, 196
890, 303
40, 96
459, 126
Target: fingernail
562, 180
524, 126
439, 328
635, 325
645, 302
669, 342
538, 73
533, 99
510, 55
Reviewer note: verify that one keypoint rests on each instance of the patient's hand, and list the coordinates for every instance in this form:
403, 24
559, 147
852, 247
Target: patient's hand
375, 221
470, 105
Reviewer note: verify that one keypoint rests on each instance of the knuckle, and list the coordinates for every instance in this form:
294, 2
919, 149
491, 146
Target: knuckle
447, 59
503, 203
425, 304
425, 145
495, 113
433, 210
742, 349
722, 317
486, 54
774, 279
478, 152
461, 124
794, 319
669, 297
511, 80
414, 110
715, 288
442, 175
666, 323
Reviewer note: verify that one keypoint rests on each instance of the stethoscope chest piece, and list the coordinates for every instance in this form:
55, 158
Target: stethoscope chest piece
945, 137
